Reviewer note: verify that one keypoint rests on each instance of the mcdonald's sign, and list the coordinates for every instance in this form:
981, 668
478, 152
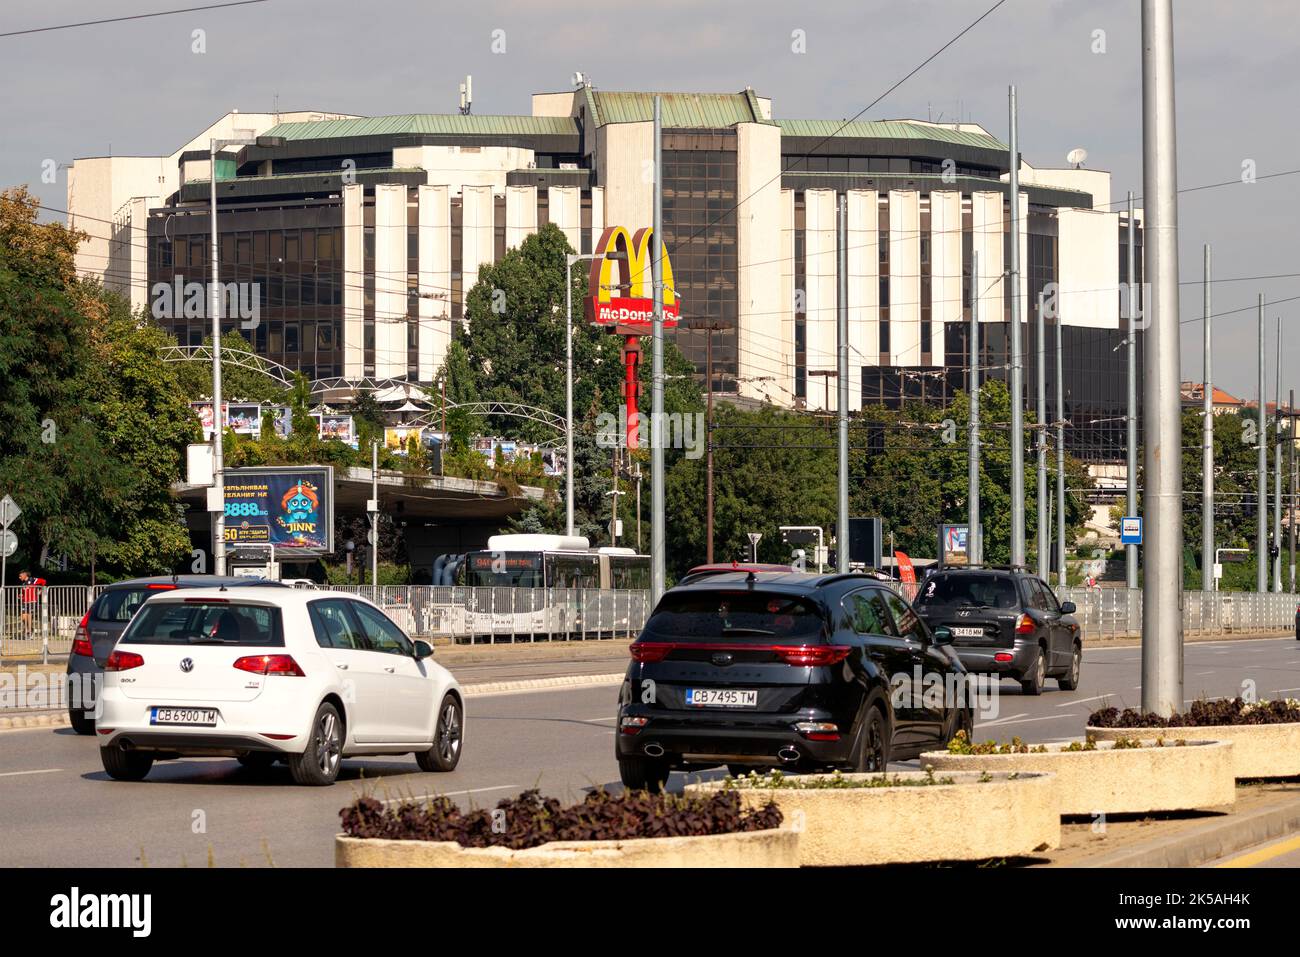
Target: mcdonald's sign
627, 303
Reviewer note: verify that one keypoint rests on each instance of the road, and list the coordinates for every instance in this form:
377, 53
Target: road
58, 808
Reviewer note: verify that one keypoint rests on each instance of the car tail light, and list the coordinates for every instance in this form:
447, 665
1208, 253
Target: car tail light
811, 655
270, 665
157, 587
1024, 625
633, 725
81, 641
818, 730
123, 661
648, 651
1003, 656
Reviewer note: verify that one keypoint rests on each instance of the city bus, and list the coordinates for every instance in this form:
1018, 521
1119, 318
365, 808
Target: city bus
535, 587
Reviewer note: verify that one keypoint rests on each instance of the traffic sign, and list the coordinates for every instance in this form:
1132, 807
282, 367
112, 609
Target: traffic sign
9, 511
8, 543
1130, 530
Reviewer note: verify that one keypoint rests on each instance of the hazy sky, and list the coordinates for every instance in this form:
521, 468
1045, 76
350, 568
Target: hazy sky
138, 87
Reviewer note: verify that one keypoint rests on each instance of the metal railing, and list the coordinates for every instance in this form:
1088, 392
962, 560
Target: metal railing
1117, 612
47, 626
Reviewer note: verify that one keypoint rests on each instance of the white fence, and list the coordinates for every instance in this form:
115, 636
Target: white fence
47, 626
1116, 612
512, 615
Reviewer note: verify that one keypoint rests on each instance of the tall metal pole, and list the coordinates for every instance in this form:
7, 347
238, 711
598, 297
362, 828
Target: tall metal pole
1040, 364
1277, 464
568, 395
1261, 478
374, 513
1061, 580
1207, 439
1131, 551
974, 547
708, 439
1017, 358
218, 423
1162, 487
1290, 440
842, 389
657, 564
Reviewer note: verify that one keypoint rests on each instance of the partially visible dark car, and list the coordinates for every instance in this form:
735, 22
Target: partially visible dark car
108, 617
783, 669
1005, 622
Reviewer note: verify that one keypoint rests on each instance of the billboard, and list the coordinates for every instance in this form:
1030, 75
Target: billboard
954, 545
627, 304
244, 418
286, 507
338, 427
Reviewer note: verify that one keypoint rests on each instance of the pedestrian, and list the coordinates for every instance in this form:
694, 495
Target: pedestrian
29, 600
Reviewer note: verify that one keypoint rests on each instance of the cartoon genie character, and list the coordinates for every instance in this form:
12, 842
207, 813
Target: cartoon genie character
300, 503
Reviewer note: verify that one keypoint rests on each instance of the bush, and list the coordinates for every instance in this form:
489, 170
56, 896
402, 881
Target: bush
1202, 713
962, 744
530, 820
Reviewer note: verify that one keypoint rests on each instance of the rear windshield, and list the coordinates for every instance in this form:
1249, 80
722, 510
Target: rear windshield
201, 622
120, 604
988, 591
710, 615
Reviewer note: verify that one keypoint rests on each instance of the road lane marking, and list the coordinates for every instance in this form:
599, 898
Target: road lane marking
1096, 697
1050, 717
447, 794
1001, 720
1255, 858
14, 774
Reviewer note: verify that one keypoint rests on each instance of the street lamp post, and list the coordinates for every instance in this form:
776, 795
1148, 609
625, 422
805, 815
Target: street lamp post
214, 301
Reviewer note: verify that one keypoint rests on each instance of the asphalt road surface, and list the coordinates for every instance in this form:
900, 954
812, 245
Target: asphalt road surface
57, 807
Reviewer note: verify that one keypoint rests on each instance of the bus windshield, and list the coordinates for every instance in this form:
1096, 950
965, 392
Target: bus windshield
502, 570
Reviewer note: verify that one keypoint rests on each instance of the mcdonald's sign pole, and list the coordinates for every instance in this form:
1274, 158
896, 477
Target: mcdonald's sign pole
657, 372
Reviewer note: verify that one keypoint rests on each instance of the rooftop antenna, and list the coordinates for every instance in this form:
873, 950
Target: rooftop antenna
1076, 157
581, 79
467, 95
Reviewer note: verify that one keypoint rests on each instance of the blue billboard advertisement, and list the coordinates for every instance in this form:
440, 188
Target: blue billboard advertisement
285, 507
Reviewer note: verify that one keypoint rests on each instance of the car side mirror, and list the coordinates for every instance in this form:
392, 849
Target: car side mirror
423, 649
943, 635
1067, 608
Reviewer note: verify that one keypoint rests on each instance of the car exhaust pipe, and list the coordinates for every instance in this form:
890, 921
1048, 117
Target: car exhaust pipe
788, 754
654, 750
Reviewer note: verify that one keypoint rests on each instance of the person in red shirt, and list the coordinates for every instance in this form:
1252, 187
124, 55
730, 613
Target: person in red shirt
29, 598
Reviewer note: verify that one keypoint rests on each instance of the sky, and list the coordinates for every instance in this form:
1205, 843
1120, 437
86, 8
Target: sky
140, 87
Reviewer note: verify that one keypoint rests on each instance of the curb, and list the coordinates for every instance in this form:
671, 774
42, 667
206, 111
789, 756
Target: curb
59, 719
556, 683
1215, 840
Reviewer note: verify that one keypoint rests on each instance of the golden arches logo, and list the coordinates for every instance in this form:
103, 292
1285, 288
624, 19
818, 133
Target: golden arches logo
628, 301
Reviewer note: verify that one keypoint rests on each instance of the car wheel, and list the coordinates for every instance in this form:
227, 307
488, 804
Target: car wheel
123, 765
643, 774
1033, 682
873, 743
963, 720
257, 760
319, 764
447, 737
81, 723
1070, 680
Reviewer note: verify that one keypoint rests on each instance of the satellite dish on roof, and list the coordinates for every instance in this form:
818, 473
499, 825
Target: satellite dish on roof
1076, 156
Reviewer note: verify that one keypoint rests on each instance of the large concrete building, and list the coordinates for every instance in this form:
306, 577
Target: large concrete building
365, 235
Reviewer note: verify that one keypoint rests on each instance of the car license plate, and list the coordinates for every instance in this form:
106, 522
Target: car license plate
721, 698
968, 632
200, 717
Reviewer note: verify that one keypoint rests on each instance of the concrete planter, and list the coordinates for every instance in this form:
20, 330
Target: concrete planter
968, 820
1258, 750
772, 848
1197, 774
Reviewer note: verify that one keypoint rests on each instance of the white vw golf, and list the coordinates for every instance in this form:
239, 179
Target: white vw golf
307, 677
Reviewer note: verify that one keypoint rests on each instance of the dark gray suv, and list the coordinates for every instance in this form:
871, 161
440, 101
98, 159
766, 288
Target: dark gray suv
1005, 622
104, 623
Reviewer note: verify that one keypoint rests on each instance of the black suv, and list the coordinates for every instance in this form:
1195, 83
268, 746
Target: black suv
782, 669
108, 617
1005, 622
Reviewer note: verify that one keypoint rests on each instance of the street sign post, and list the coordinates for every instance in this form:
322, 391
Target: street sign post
1130, 530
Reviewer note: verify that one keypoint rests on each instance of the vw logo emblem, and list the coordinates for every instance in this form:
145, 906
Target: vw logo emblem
723, 658
187, 665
